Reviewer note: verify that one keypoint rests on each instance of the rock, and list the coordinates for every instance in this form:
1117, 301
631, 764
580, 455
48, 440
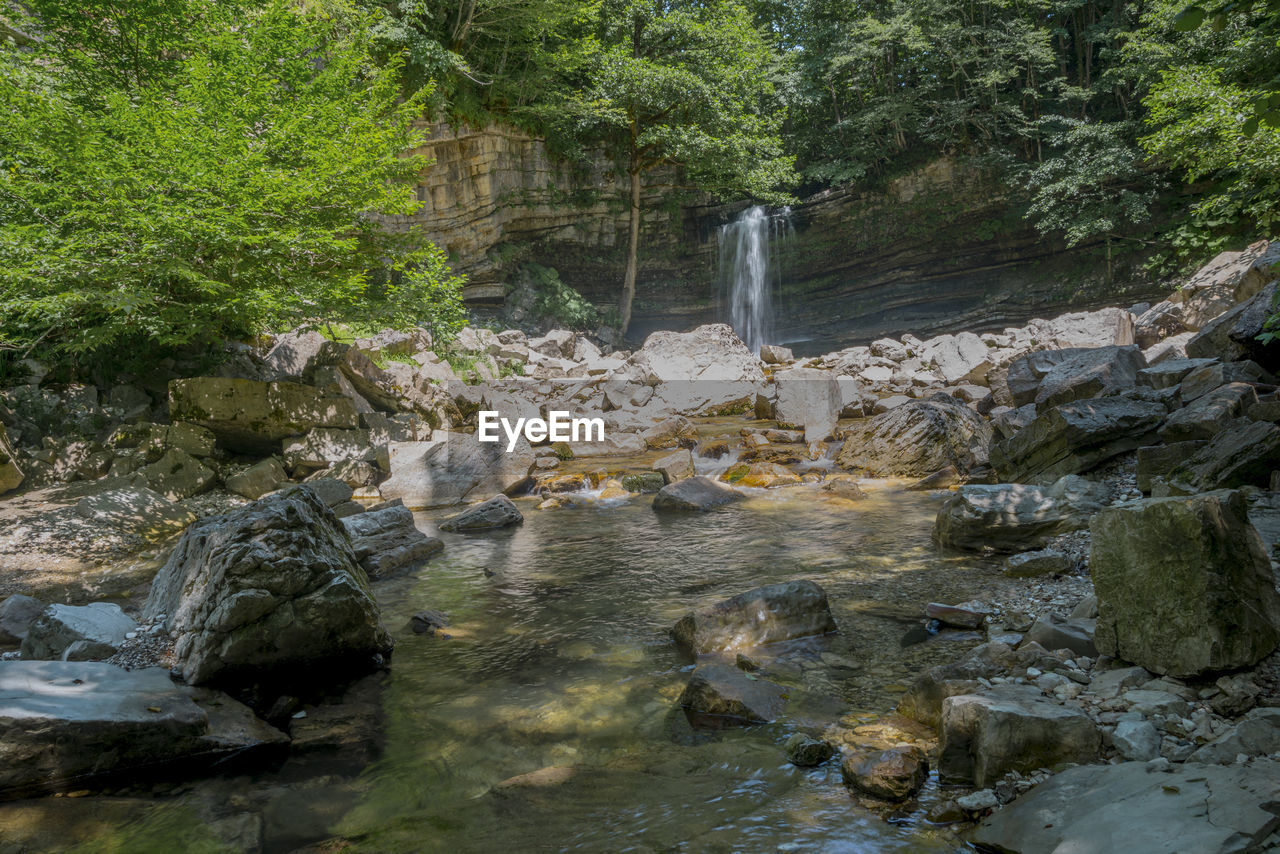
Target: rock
1219, 410
1163, 460
356, 474
386, 541
258, 479
809, 400
10, 475
677, 432
649, 481
252, 417
1213, 375
559, 343
498, 512
775, 612
17, 613
918, 438
330, 490
428, 622
1102, 328
1013, 517
1136, 741
726, 693
760, 475
1024, 374
176, 475
706, 371
294, 355
959, 358
676, 466
59, 626
1010, 728
1037, 563
1054, 632
1148, 702
923, 700
693, 494
1244, 455
452, 468
1157, 323
966, 615
136, 509
1184, 585
1238, 694
894, 774
1086, 609
1230, 278
1258, 734
65, 722
269, 588
843, 486
1090, 373
1198, 808
1075, 437
1107, 684
979, 802
324, 446
806, 751
772, 354
1169, 373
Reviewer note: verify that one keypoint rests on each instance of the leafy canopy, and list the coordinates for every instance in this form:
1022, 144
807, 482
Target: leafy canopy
187, 170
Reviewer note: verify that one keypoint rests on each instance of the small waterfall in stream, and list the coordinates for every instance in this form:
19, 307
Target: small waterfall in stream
748, 272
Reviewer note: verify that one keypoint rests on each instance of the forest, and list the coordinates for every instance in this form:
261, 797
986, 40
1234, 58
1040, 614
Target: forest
175, 171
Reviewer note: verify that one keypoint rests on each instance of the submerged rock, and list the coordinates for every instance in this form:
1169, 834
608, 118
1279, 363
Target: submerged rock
1184, 585
775, 612
726, 693
894, 774
270, 587
693, 494
805, 751
1207, 809
65, 721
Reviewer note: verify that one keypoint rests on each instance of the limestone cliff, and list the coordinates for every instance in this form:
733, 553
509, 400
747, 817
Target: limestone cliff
939, 250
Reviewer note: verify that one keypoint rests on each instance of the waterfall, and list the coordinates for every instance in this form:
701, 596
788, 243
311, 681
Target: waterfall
749, 273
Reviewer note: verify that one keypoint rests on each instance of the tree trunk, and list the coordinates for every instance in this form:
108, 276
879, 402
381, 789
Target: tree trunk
633, 251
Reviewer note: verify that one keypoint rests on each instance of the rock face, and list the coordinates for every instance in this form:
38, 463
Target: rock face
252, 417
63, 721
918, 438
894, 774
498, 512
809, 400
693, 494
725, 692
1010, 728
453, 468
1014, 517
775, 612
95, 630
1184, 585
385, 541
270, 587
1207, 809
10, 474
1075, 437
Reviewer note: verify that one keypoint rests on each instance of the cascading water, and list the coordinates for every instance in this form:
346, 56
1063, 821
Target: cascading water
749, 271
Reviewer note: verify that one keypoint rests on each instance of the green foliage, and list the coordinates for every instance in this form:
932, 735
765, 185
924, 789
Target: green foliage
206, 173
557, 303
1086, 189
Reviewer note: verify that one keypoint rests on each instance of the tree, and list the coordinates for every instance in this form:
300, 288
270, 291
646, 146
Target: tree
678, 84
207, 178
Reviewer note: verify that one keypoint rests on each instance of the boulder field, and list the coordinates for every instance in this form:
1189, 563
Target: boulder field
1132, 449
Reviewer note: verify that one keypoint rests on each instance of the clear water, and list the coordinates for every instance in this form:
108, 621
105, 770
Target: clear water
558, 657
750, 272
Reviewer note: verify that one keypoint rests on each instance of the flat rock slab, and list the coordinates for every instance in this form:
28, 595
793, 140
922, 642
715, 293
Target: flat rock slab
1091, 809
61, 721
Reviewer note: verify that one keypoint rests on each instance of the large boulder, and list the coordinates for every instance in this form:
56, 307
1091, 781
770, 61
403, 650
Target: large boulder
1075, 437
386, 541
63, 722
1184, 585
95, 630
693, 494
1209, 415
270, 588
917, 439
295, 355
1090, 373
1023, 376
252, 417
498, 512
809, 400
703, 372
962, 358
731, 696
452, 468
775, 612
1244, 455
1010, 728
1014, 517
1105, 327
10, 475
1206, 809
